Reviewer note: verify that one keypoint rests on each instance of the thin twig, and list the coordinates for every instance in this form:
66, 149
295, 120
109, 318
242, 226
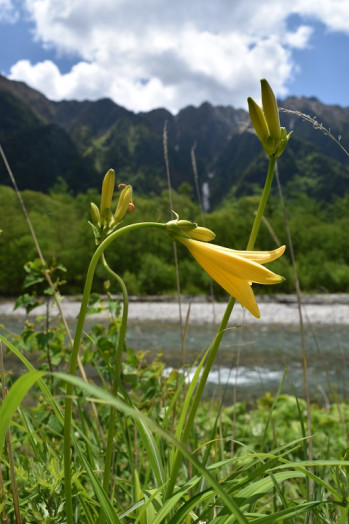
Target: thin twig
47, 276
165, 144
316, 125
36, 243
196, 180
47, 327
3, 515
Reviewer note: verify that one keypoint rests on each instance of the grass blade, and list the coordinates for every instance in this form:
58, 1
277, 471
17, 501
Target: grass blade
14, 398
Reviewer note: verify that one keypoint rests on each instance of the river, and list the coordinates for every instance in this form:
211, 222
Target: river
254, 352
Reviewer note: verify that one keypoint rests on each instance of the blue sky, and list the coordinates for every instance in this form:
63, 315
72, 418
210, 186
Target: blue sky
151, 53
323, 70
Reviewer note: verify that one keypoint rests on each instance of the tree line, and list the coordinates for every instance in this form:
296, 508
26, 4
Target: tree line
145, 259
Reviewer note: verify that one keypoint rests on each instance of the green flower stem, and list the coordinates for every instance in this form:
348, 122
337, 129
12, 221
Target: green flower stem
117, 375
74, 357
223, 325
262, 204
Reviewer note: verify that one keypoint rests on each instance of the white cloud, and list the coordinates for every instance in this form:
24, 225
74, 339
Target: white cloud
8, 12
146, 54
300, 38
82, 82
334, 14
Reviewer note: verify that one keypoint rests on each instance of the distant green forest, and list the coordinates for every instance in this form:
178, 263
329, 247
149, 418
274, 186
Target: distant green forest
320, 234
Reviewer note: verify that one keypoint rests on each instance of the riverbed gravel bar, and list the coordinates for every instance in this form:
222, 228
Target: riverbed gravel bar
275, 309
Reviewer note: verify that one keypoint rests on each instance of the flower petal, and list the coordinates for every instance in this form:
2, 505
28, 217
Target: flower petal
262, 257
239, 289
227, 259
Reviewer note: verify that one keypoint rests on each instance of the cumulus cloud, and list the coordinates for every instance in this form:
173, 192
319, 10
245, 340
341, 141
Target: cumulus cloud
154, 53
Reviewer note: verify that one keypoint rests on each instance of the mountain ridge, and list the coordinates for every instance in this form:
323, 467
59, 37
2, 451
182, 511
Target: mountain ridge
80, 140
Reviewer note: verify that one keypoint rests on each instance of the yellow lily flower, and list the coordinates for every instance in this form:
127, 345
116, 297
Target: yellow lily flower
235, 270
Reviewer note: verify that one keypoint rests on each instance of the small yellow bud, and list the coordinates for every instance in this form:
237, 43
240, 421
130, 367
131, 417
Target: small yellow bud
283, 142
106, 198
271, 111
95, 214
202, 233
179, 229
124, 204
258, 120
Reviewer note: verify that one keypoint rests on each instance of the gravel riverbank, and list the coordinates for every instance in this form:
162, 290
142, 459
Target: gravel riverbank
275, 309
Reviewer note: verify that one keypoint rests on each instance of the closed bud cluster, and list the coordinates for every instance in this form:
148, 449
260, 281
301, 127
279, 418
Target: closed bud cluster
266, 122
103, 220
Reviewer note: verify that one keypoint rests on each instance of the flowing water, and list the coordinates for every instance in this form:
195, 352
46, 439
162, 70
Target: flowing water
254, 353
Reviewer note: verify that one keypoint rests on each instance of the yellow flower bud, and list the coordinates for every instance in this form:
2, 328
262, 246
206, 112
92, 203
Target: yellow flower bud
125, 199
106, 198
95, 214
177, 227
271, 111
202, 233
258, 119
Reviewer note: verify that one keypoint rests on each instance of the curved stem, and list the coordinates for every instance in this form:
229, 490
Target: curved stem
223, 325
117, 375
74, 356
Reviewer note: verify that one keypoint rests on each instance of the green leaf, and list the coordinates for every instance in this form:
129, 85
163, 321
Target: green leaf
29, 302
264, 485
289, 512
14, 398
